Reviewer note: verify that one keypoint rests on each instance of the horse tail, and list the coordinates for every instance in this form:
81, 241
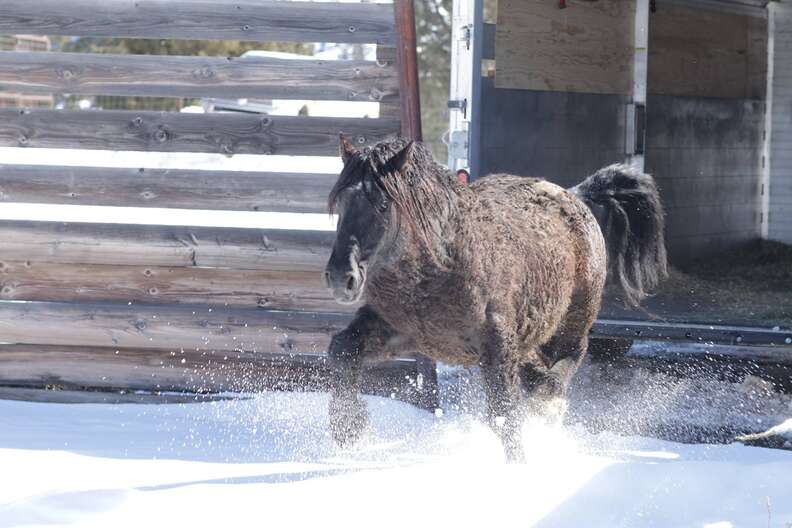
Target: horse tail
628, 209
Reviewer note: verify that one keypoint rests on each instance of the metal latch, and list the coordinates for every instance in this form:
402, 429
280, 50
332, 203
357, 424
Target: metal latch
460, 104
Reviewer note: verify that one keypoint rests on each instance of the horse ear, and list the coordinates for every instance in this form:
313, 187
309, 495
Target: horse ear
346, 149
402, 158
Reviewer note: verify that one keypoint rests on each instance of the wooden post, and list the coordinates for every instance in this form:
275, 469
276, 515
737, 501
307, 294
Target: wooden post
407, 62
410, 111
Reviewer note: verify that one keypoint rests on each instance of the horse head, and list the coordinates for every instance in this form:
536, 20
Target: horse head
364, 204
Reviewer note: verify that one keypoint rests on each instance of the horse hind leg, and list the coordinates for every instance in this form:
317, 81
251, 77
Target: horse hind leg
547, 386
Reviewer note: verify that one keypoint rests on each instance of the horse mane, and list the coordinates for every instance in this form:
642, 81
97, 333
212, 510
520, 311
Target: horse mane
422, 191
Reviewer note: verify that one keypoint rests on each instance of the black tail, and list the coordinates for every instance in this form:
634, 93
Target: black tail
628, 209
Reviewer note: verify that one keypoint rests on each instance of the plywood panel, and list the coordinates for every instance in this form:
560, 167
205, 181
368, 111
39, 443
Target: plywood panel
696, 52
587, 47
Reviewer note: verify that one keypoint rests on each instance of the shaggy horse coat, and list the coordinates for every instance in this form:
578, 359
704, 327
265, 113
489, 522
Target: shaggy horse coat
506, 274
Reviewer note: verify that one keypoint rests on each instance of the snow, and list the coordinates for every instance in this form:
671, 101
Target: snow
267, 460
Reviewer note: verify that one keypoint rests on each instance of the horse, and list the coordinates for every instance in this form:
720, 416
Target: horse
506, 274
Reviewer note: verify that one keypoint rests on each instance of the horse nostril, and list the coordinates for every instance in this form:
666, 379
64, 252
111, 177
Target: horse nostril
350, 285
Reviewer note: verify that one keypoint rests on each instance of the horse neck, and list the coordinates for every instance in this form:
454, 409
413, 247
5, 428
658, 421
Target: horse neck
418, 255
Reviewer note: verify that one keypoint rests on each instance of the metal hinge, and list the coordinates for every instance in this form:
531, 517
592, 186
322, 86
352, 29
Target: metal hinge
467, 35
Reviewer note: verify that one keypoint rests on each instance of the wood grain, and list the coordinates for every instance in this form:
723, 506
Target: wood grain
248, 20
587, 47
277, 289
140, 245
168, 188
180, 370
696, 52
122, 325
167, 76
176, 132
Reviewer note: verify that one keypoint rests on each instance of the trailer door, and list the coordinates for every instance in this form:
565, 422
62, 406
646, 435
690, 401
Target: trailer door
564, 96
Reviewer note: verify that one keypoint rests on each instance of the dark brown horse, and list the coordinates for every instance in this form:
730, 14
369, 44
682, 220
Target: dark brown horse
506, 274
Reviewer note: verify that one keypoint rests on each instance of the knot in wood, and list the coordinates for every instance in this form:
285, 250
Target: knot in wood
376, 95
137, 121
161, 135
352, 29
203, 73
65, 73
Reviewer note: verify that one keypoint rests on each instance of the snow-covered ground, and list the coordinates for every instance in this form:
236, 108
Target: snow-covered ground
268, 461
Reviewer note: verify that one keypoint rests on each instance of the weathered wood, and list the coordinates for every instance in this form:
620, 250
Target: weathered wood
407, 60
139, 245
120, 375
169, 188
176, 132
164, 370
277, 289
168, 327
587, 47
167, 76
694, 52
79, 395
386, 54
249, 20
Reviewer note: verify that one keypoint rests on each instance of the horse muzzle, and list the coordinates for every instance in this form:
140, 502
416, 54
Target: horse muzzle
347, 287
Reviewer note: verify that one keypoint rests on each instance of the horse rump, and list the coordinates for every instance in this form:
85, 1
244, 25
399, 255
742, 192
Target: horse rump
628, 208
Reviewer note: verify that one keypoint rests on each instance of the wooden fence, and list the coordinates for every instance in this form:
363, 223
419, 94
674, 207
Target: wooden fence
155, 308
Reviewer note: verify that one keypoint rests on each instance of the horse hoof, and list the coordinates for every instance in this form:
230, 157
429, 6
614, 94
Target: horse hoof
347, 421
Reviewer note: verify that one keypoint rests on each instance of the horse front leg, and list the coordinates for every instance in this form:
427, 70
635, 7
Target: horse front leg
500, 368
366, 338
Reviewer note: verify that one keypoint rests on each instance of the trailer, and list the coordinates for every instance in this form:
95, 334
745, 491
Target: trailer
694, 92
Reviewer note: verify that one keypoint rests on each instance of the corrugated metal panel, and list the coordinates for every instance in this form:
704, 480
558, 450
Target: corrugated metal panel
780, 181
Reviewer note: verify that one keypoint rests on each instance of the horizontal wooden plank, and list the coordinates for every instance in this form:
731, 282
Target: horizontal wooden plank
121, 325
168, 188
248, 20
138, 245
79, 395
276, 289
63, 367
176, 132
167, 76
